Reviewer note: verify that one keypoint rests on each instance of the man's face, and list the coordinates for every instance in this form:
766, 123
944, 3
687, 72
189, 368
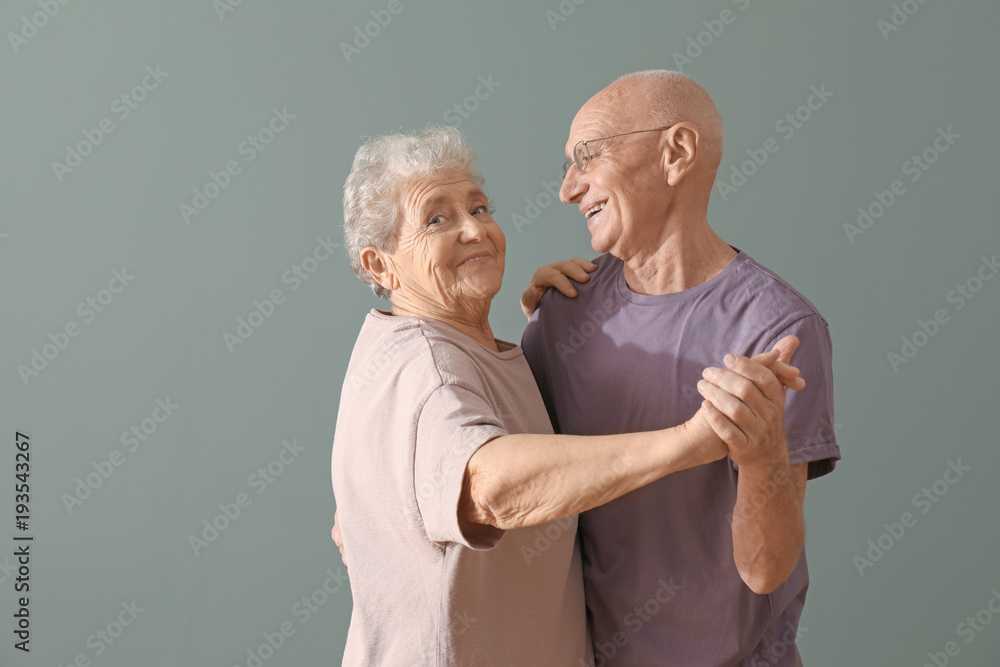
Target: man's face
623, 192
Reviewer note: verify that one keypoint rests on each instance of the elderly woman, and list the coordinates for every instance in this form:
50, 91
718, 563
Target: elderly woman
456, 502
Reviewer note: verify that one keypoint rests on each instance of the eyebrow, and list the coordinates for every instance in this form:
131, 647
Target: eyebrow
440, 199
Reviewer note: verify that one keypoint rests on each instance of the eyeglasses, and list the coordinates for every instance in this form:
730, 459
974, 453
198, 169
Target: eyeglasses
582, 155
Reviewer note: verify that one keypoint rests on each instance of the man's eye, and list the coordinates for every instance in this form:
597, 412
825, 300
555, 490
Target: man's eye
437, 219
479, 210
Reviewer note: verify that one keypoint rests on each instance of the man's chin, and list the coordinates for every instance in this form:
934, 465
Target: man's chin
600, 240
599, 243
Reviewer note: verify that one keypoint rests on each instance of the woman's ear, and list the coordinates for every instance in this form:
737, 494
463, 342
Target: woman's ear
377, 264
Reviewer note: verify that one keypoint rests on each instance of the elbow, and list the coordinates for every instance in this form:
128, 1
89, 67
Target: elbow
492, 508
763, 581
762, 584
496, 497
483, 500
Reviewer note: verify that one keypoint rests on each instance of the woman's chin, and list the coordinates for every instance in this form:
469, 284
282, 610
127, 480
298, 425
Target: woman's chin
480, 289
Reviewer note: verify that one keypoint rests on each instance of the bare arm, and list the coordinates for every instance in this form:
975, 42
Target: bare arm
768, 525
744, 405
523, 480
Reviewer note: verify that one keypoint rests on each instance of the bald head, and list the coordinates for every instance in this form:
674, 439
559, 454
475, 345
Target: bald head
640, 190
655, 98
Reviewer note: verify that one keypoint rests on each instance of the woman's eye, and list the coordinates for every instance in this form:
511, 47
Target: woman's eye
479, 210
437, 219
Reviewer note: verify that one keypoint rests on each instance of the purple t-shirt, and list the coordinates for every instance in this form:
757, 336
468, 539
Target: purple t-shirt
661, 584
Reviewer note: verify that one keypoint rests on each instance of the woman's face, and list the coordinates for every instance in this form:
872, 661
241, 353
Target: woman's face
449, 252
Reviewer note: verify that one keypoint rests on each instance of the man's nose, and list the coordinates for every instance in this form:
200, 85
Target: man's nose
570, 188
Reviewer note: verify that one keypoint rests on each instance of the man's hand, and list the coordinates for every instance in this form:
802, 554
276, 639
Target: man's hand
338, 539
745, 403
555, 275
706, 434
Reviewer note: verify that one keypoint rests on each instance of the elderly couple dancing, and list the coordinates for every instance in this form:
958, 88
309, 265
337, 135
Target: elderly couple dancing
625, 487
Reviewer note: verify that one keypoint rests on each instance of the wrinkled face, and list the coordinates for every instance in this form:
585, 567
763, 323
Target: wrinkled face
623, 193
449, 251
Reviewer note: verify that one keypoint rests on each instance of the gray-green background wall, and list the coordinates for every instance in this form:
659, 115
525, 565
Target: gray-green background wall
899, 76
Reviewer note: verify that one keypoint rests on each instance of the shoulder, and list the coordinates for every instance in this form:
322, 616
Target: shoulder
430, 354
391, 352
451, 355
554, 306
765, 291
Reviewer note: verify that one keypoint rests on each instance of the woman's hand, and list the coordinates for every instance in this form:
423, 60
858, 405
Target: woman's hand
786, 374
338, 539
555, 275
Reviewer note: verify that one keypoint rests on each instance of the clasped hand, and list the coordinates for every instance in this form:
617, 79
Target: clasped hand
744, 404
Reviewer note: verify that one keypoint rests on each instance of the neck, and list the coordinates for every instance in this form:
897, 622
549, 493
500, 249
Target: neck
684, 256
472, 320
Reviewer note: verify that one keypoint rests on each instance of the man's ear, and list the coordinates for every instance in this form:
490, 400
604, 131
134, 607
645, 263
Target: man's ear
378, 265
679, 148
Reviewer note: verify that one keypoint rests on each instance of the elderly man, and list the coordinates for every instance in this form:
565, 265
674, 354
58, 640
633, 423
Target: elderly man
669, 298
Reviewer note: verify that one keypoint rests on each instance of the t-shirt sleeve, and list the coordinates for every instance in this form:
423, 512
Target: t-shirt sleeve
453, 423
809, 425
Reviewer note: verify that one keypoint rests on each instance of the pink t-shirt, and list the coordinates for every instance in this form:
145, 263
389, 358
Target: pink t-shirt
418, 400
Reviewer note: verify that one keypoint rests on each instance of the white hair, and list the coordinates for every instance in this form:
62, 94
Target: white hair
383, 168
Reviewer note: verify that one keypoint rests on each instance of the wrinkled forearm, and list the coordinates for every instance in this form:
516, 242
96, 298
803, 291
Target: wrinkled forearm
524, 480
768, 525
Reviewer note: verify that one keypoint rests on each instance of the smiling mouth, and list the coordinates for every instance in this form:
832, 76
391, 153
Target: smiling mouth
594, 210
476, 258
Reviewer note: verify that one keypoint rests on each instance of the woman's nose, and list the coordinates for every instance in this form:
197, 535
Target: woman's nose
473, 229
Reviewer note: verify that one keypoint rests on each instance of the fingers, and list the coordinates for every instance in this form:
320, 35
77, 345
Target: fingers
577, 269
788, 375
530, 299
723, 426
563, 284
741, 388
786, 347
555, 275
335, 532
783, 370
738, 399
338, 539
768, 358
584, 264
756, 372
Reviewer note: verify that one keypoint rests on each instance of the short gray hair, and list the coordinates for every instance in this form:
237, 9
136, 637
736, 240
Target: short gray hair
383, 168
